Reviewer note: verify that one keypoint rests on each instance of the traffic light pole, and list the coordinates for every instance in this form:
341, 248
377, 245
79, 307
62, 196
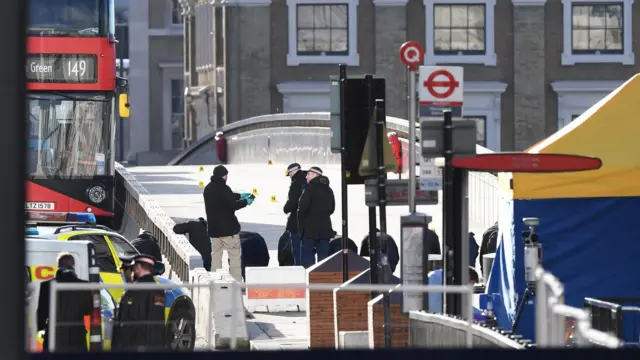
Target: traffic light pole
343, 174
382, 203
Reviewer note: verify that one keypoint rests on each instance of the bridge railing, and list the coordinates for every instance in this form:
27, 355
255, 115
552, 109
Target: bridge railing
134, 202
560, 325
443, 331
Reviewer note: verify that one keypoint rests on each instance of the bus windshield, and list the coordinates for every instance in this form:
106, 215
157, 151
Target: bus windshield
87, 18
70, 135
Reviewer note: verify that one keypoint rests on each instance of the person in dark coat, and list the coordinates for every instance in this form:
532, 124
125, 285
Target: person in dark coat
196, 232
221, 205
335, 245
393, 254
298, 184
73, 306
316, 206
139, 325
489, 243
285, 255
473, 249
254, 251
147, 244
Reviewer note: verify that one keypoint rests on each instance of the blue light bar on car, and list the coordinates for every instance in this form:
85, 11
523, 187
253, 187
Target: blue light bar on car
31, 231
81, 218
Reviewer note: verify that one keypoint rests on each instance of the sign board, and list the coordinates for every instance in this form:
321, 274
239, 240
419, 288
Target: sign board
430, 175
397, 194
432, 138
439, 88
62, 68
334, 108
528, 163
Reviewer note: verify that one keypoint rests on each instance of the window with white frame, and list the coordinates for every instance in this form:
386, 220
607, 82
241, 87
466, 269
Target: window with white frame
322, 32
597, 32
460, 32
322, 29
481, 129
459, 29
177, 112
176, 13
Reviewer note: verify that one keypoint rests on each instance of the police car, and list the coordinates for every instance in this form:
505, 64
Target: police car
110, 246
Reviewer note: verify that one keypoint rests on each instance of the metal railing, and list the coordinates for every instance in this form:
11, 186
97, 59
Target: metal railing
235, 288
138, 204
552, 316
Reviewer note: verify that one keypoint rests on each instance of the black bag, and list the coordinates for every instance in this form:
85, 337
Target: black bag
285, 254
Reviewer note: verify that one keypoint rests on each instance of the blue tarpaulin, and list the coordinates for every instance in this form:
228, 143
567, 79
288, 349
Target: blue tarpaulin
591, 244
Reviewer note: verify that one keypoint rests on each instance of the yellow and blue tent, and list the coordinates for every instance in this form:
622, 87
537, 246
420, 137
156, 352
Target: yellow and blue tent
589, 221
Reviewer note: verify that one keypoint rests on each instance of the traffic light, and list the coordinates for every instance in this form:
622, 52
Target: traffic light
359, 109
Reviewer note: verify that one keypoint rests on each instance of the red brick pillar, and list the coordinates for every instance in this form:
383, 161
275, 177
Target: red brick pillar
399, 322
320, 316
350, 307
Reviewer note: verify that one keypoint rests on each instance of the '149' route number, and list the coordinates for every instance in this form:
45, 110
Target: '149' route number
76, 68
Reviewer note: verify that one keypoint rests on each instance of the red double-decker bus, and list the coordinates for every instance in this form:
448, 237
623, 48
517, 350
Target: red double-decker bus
71, 107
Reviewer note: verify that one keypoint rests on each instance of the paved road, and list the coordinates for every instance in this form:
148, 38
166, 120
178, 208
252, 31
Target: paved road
177, 191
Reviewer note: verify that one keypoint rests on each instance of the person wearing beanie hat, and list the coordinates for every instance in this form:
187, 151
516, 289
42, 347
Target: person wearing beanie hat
223, 227
298, 183
316, 206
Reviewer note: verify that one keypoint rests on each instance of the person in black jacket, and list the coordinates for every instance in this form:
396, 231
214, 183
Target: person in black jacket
221, 204
298, 183
196, 232
489, 243
335, 245
316, 206
139, 325
254, 250
73, 306
393, 254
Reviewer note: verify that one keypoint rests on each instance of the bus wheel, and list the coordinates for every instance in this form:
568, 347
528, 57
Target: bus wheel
182, 331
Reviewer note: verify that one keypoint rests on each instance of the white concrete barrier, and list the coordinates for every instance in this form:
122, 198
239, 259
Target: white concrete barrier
214, 304
276, 300
228, 308
353, 340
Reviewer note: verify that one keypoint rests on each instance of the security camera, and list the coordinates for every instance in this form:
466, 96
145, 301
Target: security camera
531, 221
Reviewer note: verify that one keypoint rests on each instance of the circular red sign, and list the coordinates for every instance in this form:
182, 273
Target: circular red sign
451, 84
411, 53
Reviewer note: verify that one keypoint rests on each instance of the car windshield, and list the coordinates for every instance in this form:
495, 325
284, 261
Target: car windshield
69, 135
86, 18
122, 246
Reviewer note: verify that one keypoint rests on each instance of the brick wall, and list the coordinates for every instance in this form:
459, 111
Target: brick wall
350, 307
320, 315
399, 324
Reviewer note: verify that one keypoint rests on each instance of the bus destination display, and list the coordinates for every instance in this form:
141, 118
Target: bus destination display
62, 68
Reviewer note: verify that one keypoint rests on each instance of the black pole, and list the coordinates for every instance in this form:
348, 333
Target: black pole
14, 135
382, 201
448, 209
343, 173
121, 120
373, 249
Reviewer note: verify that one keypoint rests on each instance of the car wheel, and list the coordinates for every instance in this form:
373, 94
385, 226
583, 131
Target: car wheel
182, 331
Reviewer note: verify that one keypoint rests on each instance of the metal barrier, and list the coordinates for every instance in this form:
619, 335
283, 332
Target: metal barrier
443, 331
136, 202
605, 316
552, 315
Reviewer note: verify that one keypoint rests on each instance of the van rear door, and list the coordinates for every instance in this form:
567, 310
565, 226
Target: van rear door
42, 261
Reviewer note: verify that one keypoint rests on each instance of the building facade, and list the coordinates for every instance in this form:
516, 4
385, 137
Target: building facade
156, 81
530, 66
